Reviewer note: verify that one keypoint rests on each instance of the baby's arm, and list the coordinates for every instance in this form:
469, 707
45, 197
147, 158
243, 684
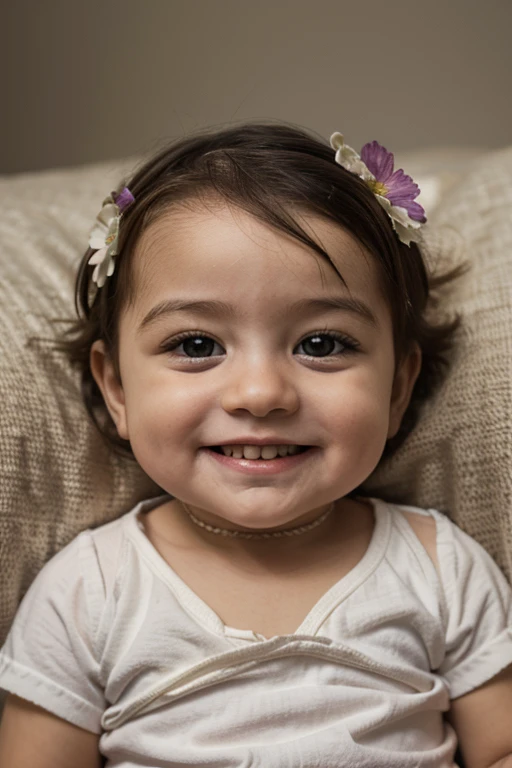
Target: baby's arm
31, 737
483, 722
49, 666
479, 641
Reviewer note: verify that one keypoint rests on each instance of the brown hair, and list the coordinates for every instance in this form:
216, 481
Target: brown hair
270, 171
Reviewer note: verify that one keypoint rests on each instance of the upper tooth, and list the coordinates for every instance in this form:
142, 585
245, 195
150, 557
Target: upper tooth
252, 451
257, 451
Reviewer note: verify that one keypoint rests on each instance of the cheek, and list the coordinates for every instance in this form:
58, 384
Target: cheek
355, 410
362, 415
162, 418
161, 407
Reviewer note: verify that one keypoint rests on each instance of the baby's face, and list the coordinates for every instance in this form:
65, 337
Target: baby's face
240, 334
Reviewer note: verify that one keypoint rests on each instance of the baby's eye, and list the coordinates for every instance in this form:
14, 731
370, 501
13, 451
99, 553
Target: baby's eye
194, 346
326, 345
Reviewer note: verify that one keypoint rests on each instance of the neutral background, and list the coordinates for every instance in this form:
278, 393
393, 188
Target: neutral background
89, 80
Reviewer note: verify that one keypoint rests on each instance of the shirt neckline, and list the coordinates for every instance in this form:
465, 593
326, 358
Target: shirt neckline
312, 622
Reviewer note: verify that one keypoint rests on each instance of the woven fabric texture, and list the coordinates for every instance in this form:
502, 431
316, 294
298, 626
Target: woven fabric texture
459, 457
56, 475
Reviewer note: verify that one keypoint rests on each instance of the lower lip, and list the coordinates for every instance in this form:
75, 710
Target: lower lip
262, 466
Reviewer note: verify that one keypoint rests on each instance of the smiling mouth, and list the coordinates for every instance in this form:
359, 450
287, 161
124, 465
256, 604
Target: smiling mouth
259, 452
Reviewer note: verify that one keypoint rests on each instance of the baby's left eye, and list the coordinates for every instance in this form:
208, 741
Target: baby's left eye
325, 345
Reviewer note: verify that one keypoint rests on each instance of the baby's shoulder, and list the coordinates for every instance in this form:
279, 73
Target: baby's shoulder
114, 548
453, 551
424, 525
103, 550
88, 564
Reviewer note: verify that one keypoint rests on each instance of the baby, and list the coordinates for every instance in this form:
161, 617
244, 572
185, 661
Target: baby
253, 330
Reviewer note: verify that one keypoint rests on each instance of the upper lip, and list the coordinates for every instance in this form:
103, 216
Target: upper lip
259, 441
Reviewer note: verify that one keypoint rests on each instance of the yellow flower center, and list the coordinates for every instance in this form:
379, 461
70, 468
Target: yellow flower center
377, 187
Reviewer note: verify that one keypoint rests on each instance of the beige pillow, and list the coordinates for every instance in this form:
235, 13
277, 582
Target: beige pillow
56, 475
58, 478
459, 457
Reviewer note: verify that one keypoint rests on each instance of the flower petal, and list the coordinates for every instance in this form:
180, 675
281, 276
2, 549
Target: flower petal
99, 229
110, 267
401, 215
394, 212
337, 140
403, 225
378, 160
406, 234
104, 266
416, 212
401, 192
104, 270
102, 235
113, 230
124, 199
96, 240
401, 184
349, 159
112, 247
98, 257
107, 213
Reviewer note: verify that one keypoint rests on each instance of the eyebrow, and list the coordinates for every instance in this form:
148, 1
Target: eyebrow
340, 303
215, 308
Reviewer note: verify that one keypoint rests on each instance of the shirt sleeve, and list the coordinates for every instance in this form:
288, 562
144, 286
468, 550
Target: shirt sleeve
48, 657
478, 611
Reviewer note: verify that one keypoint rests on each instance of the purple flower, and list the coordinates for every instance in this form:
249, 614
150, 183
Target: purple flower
124, 199
396, 186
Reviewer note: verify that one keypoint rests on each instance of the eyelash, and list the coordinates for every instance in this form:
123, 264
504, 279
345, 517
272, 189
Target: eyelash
349, 344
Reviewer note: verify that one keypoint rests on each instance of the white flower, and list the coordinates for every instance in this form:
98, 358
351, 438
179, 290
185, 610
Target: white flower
104, 266
104, 240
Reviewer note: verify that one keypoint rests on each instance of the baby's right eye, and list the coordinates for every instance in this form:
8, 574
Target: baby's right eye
196, 345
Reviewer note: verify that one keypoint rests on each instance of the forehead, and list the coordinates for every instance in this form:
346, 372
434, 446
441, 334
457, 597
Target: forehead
218, 251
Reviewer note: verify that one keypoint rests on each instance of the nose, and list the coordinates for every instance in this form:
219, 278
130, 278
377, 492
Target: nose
260, 386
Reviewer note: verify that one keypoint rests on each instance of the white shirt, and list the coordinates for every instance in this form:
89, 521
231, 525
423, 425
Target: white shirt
110, 638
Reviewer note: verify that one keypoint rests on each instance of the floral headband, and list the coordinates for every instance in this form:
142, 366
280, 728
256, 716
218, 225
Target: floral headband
105, 234
395, 191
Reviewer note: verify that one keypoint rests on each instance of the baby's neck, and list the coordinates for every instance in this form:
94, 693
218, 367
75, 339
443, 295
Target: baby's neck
266, 586
349, 524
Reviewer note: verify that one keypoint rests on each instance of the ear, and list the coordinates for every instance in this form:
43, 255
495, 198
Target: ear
105, 375
403, 384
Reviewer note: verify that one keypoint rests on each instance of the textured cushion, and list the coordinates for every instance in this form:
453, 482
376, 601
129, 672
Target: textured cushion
459, 457
57, 476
